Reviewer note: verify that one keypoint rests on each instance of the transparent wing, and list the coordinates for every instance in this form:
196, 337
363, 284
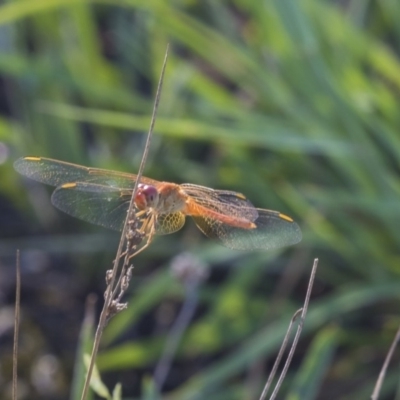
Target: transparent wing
273, 230
98, 204
222, 201
56, 173
106, 206
169, 223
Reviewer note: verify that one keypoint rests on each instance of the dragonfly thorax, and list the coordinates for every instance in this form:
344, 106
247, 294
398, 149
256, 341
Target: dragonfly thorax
171, 198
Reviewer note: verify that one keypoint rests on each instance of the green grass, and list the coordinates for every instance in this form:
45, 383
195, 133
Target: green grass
295, 104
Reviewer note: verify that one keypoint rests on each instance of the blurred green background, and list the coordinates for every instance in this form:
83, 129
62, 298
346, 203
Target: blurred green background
294, 103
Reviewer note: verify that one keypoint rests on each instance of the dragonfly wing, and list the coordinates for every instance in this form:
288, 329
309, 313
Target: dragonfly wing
169, 223
106, 206
273, 230
222, 201
56, 173
98, 204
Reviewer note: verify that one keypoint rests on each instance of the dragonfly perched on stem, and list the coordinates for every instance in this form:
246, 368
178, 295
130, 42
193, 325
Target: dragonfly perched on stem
102, 197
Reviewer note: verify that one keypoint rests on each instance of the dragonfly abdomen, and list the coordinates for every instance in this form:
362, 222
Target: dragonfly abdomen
194, 209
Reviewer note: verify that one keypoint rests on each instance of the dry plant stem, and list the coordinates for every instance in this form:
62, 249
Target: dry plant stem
125, 275
133, 239
109, 291
303, 311
379, 382
16, 328
299, 330
280, 354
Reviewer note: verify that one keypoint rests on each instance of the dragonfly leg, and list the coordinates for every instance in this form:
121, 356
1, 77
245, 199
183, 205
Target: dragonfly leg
135, 235
147, 225
148, 241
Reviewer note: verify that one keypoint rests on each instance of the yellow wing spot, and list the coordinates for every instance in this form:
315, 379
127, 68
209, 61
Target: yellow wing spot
285, 217
68, 185
241, 196
32, 158
125, 193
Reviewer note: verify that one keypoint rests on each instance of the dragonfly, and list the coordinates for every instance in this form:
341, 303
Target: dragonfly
102, 197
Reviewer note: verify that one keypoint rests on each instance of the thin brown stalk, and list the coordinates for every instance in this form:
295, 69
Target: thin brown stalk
105, 313
303, 312
280, 354
16, 327
379, 382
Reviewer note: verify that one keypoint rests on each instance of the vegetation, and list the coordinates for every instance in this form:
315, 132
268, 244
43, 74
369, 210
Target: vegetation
294, 103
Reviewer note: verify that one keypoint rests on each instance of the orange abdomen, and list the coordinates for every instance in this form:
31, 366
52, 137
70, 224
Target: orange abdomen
194, 209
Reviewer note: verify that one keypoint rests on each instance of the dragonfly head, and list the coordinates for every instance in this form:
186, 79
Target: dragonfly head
146, 197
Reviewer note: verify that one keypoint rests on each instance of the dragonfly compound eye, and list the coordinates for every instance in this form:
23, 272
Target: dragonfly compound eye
146, 196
